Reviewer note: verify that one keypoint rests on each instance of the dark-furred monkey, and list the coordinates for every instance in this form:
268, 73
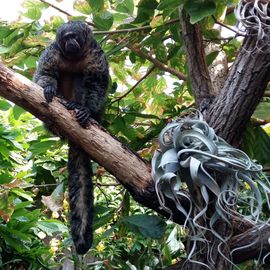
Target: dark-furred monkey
75, 68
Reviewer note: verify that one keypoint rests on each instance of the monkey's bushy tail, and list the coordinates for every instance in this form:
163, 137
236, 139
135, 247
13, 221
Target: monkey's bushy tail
80, 198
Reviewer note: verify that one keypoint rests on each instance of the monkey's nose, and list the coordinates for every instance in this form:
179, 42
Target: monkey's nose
72, 46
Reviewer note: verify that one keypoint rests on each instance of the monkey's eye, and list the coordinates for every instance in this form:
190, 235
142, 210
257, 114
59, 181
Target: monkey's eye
69, 36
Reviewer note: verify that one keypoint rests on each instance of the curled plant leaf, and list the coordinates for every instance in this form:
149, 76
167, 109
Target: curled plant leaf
253, 17
191, 156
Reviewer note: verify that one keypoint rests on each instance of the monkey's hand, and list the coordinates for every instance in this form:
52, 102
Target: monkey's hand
49, 92
83, 114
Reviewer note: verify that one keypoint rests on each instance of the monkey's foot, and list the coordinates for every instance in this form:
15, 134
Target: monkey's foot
70, 105
83, 115
49, 93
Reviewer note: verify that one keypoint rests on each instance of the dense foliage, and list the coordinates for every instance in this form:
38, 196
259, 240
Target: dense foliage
149, 86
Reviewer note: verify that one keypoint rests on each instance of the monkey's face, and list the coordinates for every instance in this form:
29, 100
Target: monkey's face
73, 39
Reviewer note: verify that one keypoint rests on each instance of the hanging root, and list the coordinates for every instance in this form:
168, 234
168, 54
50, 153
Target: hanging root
254, 19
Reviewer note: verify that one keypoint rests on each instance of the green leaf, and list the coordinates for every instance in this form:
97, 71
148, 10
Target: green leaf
146, 10
161, 53
21, 205
262, 111
198, 10
231, 19
5, 31
19, 235
33, 13
96, 5
52, 226
148, 226
17, 111
41, 147
22, 193
57, 21
169, 4
11, 241
4, 151
103, 220
103, 20
257, 144
125, 6
5, 178
4, 105
33, 3
82, 6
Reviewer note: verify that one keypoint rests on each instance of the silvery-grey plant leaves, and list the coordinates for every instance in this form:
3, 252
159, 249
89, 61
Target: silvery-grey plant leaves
194, 163
253, 18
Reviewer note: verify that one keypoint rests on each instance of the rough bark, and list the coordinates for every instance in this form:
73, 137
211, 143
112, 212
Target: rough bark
197, 68
204, 92
242, 91
229, 112
246, 253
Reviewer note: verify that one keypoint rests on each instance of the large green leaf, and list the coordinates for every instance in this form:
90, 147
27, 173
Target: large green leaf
4, 105
169, 4
40, 147
52, 226
263, 111
257, 144
96, 5
146, 10
125, 6
103, 20
148, 226
82, 6
33, 13
198, 10
22, 193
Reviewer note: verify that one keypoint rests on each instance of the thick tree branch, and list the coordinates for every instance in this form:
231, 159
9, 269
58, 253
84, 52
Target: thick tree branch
244, 252
242, 91
133, 172
196, 61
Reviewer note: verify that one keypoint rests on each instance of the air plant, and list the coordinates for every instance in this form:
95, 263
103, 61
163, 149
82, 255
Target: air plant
194, 163
254, 18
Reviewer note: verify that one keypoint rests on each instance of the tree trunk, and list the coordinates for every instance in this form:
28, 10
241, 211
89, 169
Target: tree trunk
228, 113
243, 90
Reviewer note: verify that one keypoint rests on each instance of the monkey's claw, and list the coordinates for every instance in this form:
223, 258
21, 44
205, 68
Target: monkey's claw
70, 105
83, 115
49, 93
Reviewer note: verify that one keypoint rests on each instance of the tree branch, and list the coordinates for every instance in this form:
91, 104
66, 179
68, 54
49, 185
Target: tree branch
61, 10
241, 93
112, 32
127, 166
135, 85
157, 63
198, 71
135, 29
131, 170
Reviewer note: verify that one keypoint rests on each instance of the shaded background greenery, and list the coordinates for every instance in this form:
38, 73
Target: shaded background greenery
144, 95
